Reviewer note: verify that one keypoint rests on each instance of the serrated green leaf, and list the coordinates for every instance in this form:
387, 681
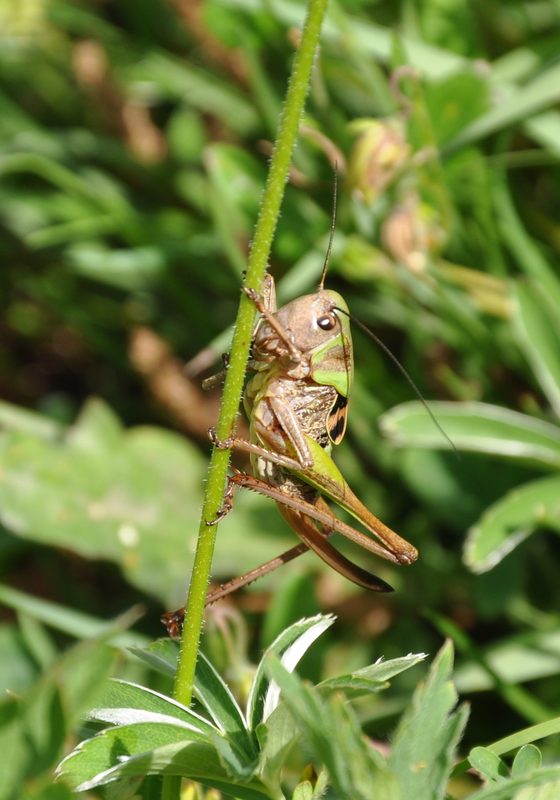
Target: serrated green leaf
511, 520
290, 646
428, 732
373, 678
113, 747
355, 768
150, 749
310, 715
277, 738
214, 694
475, 427
127, 698
352, 687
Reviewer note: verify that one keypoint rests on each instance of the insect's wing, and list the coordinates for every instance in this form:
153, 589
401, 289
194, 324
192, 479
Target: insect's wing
336, 420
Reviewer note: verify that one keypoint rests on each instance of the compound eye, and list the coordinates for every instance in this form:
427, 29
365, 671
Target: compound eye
326, 322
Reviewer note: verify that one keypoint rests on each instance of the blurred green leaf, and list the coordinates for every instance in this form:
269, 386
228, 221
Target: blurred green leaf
132, 269
457, 490
106, 493
294, 598
455, 101
128, 496
536, 323
547, 791
13, 418
33, 727
160, 655
526, 759
516, 660
511, 520
162, 76
545, 128
72, 622
490, 765
523, 248
368, 39
519, 104
475, 427
515, 787
18, 668
304, 791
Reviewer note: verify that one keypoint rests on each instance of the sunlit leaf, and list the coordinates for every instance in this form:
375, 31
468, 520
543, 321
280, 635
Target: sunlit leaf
290, 646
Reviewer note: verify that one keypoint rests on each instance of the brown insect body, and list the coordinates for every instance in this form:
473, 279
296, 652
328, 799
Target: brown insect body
297, 404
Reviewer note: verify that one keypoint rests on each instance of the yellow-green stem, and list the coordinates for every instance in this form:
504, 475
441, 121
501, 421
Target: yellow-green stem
258, 258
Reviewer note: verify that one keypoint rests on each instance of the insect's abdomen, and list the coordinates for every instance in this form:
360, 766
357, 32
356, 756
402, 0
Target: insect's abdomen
311, 403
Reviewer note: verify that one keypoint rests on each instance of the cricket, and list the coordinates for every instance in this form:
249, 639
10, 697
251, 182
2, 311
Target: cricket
296, 400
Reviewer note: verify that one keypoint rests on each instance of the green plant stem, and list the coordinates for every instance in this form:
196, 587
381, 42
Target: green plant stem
171, 787
239, 354
233, 387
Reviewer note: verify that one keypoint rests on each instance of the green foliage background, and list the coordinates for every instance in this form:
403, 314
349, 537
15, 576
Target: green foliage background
133, 149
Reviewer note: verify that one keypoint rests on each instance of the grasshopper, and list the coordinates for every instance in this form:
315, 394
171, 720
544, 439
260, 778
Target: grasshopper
297, 404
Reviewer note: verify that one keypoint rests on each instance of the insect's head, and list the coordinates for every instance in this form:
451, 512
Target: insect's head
314, 318
319, 329
317, 326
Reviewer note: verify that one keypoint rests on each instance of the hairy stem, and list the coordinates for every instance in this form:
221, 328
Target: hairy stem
258, 258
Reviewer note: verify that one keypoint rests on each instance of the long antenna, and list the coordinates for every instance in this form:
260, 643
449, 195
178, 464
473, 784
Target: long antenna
403, 371
333, 226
